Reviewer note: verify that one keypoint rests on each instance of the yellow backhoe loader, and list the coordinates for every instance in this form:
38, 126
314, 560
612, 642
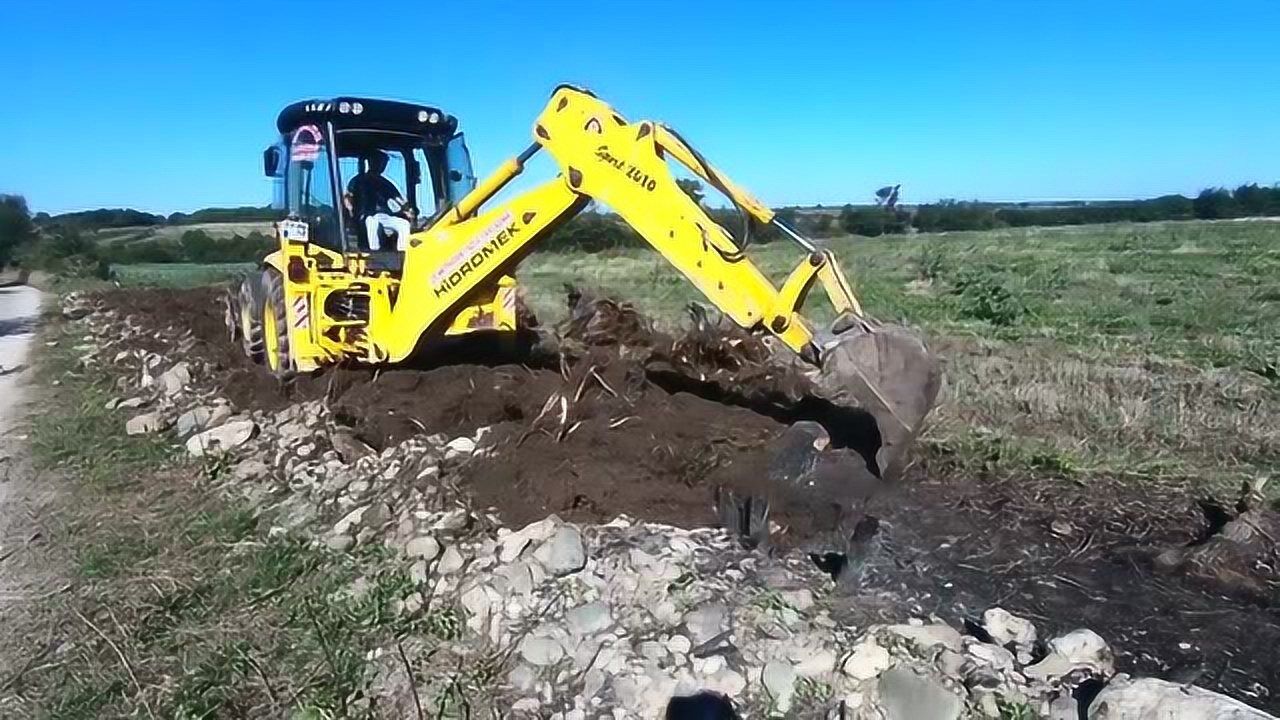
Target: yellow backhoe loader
390, 246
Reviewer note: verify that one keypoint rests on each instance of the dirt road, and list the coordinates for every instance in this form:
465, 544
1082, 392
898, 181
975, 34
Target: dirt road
19, 310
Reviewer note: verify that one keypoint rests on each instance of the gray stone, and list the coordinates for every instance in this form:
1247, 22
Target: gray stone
925, 637
340, 543
222, 438
522, 678
1005, 627
679, 645
1152, 699
589, 619
706, 622
249, 468
451, 561
906, 695
564, 553
201, 418
348, 446
145, 424
526, 705
459, 448
1077, 650
867, 660
779, 680
173, 380
540, 651
424, 547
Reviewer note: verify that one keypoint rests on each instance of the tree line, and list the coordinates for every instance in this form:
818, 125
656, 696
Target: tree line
103, 218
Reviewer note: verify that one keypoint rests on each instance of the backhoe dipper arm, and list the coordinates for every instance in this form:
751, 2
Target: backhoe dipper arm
623, 165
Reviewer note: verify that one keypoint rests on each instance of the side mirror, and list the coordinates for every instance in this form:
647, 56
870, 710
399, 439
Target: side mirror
455, 176
413, 171
271, 158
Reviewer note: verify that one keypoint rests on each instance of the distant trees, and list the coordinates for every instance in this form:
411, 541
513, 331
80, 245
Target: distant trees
195, 246
16, 227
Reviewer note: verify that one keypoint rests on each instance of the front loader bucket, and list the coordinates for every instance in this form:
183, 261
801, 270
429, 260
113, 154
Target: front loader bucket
887, 371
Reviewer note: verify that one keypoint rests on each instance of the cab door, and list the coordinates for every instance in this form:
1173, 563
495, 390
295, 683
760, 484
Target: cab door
309, 187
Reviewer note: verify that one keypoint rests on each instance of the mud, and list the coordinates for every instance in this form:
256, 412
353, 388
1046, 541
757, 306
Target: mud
653, 426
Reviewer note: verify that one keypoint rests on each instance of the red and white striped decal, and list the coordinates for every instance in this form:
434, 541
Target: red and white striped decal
301, 315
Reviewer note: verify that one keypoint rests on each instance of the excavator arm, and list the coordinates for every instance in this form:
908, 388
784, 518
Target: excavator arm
603, 157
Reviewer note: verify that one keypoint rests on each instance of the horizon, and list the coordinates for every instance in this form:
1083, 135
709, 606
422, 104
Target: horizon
1082, 101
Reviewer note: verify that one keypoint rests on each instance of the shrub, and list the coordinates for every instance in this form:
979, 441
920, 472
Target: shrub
984, 297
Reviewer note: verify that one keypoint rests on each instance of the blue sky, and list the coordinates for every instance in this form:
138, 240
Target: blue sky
167, 106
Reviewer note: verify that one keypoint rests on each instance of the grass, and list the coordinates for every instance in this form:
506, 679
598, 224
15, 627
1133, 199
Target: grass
173, 233
181, 604
178, 274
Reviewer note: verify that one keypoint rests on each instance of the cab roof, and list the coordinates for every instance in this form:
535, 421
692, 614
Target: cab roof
358, 113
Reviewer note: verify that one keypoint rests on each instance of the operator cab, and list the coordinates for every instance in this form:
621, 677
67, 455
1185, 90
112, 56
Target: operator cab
362, 174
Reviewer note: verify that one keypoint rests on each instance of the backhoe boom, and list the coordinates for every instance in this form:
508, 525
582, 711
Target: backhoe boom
623, 165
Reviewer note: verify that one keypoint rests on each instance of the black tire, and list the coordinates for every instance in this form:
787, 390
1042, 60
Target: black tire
275, 326
248, 309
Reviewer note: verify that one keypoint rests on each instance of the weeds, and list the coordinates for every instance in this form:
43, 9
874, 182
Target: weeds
182, 606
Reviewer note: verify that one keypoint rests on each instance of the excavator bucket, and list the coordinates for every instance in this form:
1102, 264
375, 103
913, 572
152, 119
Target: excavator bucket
887, 372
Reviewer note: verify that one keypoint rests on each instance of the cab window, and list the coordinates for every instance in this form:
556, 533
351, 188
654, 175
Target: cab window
309, 189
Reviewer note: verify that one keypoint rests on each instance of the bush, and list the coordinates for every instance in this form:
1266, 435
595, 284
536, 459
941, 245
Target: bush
16, 229
985, 297
64, 251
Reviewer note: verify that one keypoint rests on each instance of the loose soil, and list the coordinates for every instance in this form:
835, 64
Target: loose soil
652, 435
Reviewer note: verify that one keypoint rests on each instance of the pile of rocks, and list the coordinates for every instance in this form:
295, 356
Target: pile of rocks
610, 620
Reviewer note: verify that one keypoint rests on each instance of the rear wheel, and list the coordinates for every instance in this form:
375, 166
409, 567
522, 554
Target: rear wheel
247, 316
275, 326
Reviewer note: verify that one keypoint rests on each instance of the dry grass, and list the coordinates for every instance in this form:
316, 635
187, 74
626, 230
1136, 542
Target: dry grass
181, 604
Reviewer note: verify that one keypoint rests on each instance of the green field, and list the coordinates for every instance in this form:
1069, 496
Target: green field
173, 233
1141, 351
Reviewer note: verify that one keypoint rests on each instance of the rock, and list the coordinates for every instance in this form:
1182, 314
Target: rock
540, 651
706, 622
340, 543
201, 418
522, 678
526, 705
348, 446
173, 380
867, 661
926, 637
249, 468
351, 521
679, 645
222, 438
906, 695
564, 553
779, 680
589, 619
1077, 650
145, 424
450, 562
816, 663
1152, 699
459, 448
1005, 628
423, 547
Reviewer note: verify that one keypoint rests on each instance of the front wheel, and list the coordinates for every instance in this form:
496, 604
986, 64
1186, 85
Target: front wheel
275, 326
